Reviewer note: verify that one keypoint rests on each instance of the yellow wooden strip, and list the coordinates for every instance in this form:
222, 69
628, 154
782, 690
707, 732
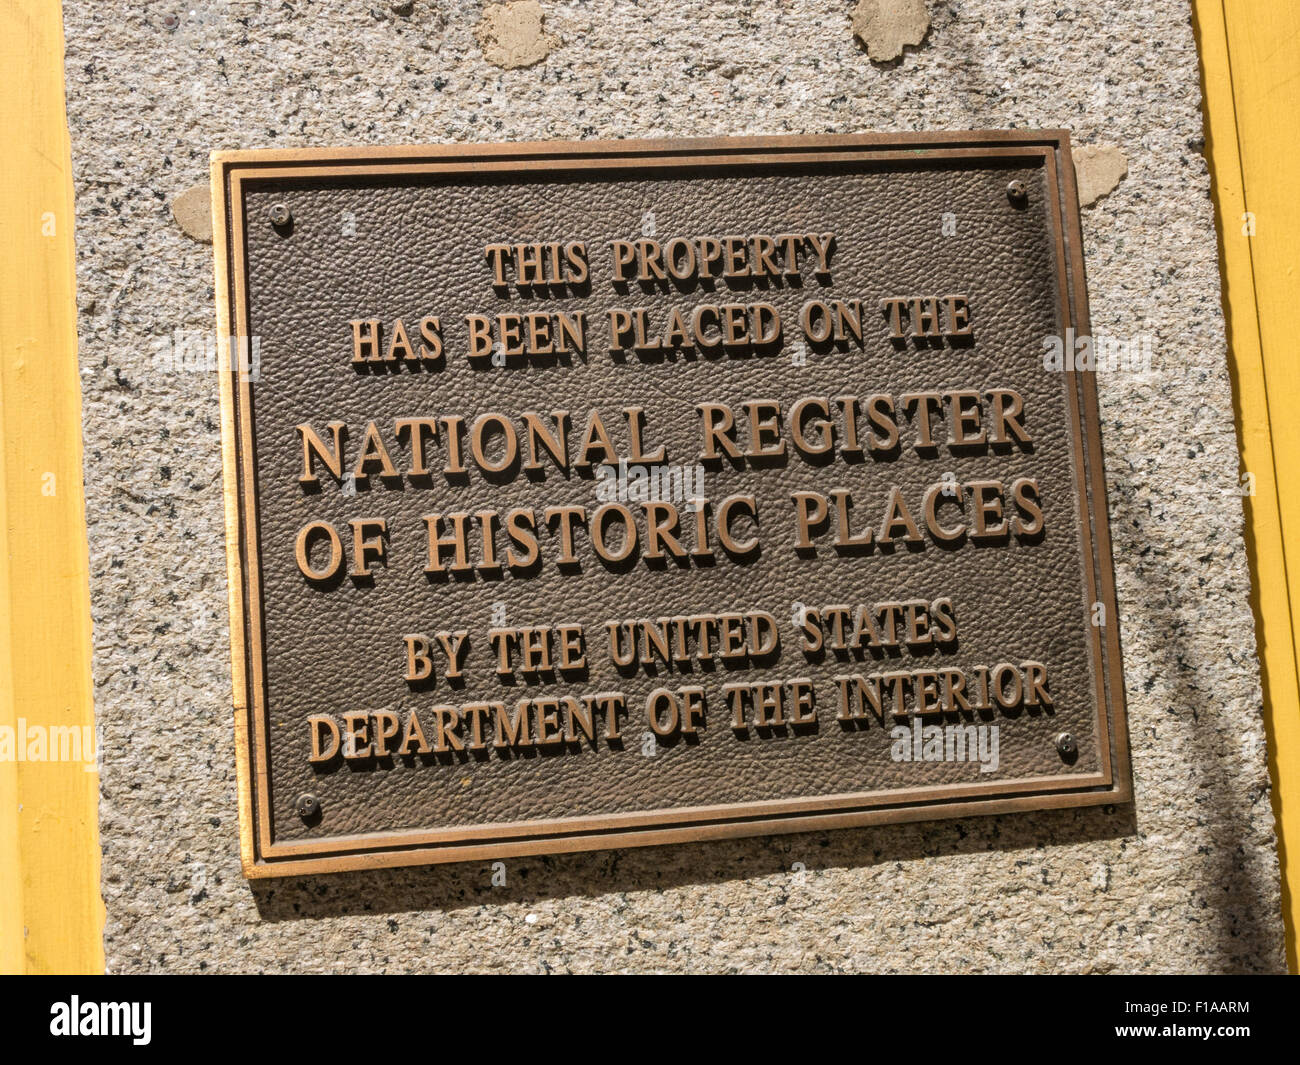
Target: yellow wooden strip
51, 915
1250, 56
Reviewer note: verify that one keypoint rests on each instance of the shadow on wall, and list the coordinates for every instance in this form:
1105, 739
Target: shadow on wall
1240, 912
468, 884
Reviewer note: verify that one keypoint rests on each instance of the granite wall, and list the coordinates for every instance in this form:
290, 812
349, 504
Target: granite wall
1186, 879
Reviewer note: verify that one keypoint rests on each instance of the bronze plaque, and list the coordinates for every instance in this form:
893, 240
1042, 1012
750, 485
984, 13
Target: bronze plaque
589, 495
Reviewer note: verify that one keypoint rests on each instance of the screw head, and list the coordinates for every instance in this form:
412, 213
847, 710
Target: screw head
280, 215
1017, 192
1065, 745
307, 805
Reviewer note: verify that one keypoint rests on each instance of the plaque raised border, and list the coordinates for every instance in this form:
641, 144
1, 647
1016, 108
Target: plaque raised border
263, 856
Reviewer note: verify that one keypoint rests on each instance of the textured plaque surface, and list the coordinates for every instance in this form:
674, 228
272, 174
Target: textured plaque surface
870, 573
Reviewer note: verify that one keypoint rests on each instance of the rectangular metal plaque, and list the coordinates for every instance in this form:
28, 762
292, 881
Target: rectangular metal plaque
587, 495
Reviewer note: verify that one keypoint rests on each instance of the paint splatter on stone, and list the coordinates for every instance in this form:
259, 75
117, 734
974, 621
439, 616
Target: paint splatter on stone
1098, 168
511, 35
192, 210
886, 26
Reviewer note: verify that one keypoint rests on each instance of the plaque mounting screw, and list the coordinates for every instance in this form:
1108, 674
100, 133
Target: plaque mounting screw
280, 215
1017, 192
307, 805
1065, 745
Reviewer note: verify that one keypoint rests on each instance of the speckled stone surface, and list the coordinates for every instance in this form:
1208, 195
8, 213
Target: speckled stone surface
1186, 880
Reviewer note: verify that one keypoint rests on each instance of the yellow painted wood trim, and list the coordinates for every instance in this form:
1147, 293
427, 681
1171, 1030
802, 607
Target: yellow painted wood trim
51, 913
1250, 64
